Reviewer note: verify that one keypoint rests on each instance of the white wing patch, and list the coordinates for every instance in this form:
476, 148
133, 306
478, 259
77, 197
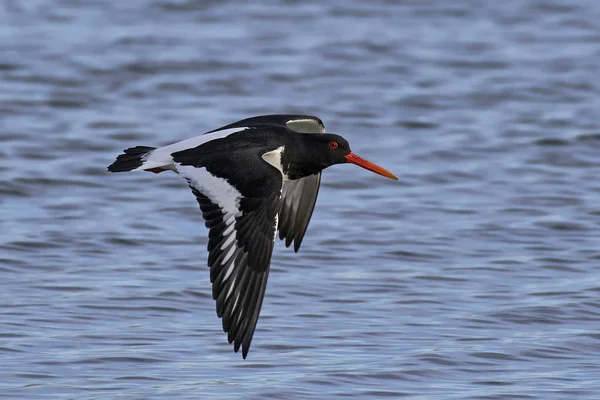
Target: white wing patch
227, 197
218, 190
276, 227
274, 158
161, 157
305, 125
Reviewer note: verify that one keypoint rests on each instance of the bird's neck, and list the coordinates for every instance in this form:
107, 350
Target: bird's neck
297, 161
295, 157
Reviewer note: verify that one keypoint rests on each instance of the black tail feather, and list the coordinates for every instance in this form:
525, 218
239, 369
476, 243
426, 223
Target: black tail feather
130, 159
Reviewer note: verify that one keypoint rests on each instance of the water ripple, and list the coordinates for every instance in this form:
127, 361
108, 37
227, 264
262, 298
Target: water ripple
474, 277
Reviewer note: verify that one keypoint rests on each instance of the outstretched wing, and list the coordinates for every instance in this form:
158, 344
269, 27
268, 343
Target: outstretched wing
241, 236
298, 202
298, 196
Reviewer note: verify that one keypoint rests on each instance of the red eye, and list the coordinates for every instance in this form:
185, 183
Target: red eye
333, 145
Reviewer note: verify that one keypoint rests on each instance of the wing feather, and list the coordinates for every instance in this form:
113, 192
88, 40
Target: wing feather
240, 245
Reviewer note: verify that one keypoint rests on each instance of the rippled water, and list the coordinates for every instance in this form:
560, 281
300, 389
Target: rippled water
475, 277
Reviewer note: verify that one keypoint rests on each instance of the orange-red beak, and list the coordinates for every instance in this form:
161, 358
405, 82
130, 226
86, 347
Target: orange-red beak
361, 162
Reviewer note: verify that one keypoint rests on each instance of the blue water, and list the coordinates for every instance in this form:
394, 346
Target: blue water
476, 276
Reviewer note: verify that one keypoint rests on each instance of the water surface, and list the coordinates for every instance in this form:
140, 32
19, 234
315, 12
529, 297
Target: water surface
476, 276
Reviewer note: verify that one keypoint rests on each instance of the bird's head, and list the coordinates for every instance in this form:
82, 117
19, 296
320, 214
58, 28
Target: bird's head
329, 149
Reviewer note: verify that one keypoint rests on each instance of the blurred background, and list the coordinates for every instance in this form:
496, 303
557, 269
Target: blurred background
476, 276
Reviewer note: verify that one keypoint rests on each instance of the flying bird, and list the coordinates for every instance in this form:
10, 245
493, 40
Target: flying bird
251, 179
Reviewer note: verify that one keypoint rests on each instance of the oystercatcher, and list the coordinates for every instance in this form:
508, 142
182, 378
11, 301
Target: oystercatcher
250, 178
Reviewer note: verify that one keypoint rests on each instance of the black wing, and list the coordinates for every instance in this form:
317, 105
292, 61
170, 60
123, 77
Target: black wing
298, 196
298, 202
242, 223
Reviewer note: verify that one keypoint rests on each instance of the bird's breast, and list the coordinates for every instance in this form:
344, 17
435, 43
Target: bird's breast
274, 158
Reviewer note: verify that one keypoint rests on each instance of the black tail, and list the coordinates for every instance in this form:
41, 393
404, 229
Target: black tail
130, 159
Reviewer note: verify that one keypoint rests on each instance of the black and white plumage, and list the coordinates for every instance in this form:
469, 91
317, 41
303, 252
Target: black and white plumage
250, 178
298, 196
